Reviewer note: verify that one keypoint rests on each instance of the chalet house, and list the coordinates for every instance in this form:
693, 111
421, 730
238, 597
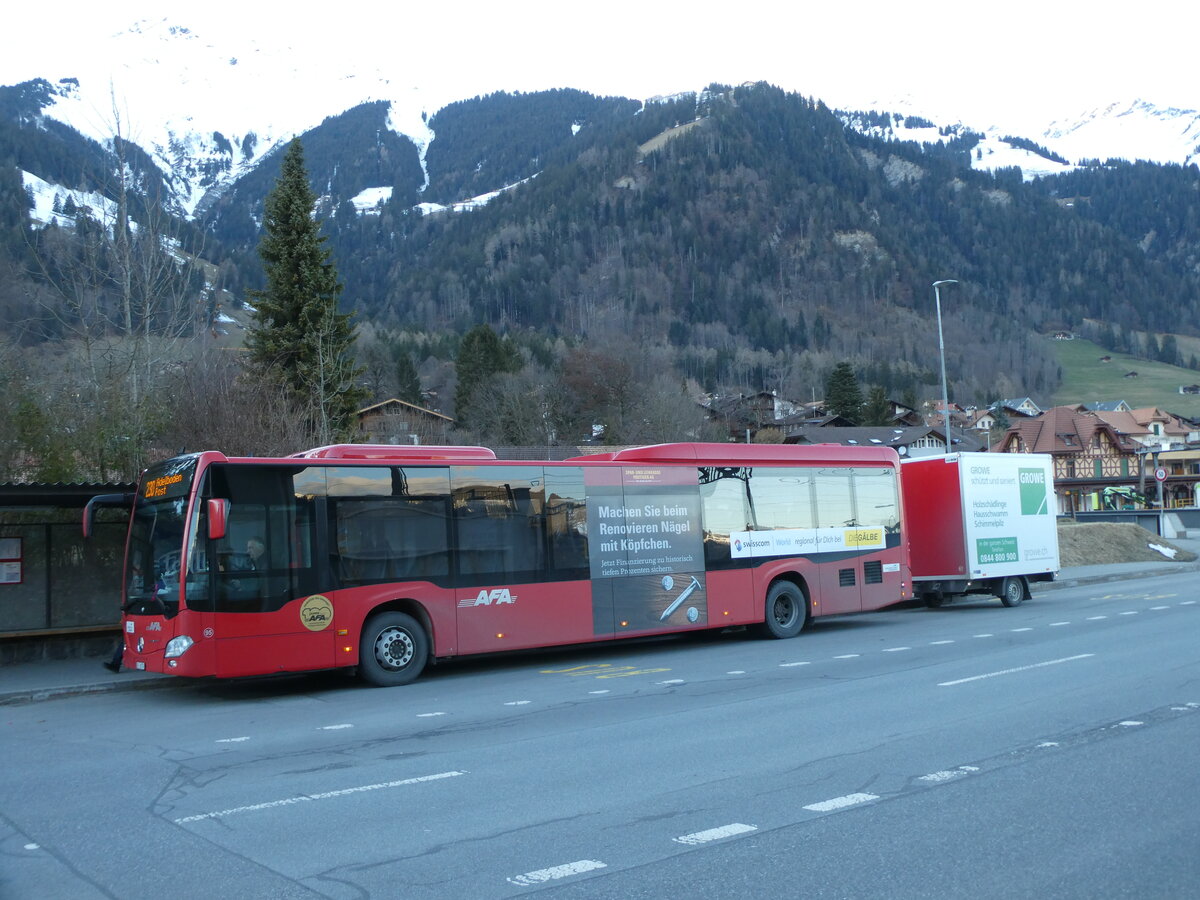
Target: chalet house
750, 412
1106, 406
399, 422
919, 440
1089, 454
1020, 406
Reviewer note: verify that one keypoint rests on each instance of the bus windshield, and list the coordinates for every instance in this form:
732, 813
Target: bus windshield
156, 538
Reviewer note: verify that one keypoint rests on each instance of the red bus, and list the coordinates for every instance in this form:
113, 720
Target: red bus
386, 558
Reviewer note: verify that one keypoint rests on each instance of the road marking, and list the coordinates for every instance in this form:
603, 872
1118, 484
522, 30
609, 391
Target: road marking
334, 727
605, 691
848, 656
938, 643
983, 635
672, 681
634, 672
736, 672
1096, 618
1052, 662
1130, 724
1058, 624
541, 876
1048, 744
429, 715
841, 802
517, 702
32, 847
1020, 629
1187, 603
1132, 612
947, 774
896, 649
789, 665
327, 795
1160, 607
236, 740
715, 834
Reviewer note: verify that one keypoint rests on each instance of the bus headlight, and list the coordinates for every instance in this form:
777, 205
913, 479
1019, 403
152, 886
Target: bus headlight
178, 646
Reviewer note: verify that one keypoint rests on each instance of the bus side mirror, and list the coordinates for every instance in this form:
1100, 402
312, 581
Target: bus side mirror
120, 501
218, 518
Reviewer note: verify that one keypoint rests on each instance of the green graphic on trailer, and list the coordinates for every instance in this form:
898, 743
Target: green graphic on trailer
1034, 493
997, 550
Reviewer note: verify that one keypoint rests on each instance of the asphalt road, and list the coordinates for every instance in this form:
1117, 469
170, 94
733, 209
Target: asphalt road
972, 751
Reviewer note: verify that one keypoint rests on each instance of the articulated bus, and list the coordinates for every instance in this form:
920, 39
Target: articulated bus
387, 558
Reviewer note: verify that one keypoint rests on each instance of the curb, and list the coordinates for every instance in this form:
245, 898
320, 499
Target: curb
37, 695
1174, 569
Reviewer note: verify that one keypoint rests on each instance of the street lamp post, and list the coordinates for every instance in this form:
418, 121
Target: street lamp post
937, 299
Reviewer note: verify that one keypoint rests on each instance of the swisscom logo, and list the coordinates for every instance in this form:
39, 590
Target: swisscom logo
1034, 496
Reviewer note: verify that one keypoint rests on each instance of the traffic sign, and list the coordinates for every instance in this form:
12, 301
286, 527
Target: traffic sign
1160, 474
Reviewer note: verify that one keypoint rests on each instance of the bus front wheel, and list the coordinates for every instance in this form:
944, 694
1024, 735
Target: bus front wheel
786, 610
393, 650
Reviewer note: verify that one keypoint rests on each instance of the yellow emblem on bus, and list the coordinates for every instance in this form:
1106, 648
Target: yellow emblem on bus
316, 613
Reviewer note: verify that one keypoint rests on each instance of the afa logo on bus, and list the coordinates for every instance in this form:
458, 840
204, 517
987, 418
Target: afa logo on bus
487, 598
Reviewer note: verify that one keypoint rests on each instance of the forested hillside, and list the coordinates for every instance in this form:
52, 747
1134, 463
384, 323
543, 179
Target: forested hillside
741, 239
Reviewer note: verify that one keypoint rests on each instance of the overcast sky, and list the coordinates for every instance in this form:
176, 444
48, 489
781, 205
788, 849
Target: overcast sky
1052, 57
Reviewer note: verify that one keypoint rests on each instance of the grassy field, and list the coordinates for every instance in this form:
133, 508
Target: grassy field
1087, 380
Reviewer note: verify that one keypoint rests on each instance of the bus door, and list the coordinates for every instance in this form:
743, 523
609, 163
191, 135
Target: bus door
838, 558
508, 592
272, 608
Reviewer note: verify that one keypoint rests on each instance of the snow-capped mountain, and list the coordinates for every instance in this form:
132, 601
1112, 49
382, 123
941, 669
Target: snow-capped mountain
209, 107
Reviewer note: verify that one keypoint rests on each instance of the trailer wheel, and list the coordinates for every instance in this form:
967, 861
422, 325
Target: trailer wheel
1012, 591
786, 610
393, 650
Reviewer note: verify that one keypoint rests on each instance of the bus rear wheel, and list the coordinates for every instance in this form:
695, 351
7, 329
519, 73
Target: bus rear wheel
786, 610
393, 650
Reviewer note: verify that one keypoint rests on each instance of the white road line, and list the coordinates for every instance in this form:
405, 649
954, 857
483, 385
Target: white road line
1058, 624
327, 795
334, 727
937, 643
1096, 618
1130, 724
1131, 612
429, 715
541, 876
598, 692
896, 649
1048, 744
1187, 602
1160, 607
841, 802
672, 681
715, 834
983, 635
947, 774
236, 740
517, 702
1052, 662
1020, 629
736, 672
789, 665
848, 656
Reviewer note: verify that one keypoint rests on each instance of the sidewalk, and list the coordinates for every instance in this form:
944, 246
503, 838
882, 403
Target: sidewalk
47, 679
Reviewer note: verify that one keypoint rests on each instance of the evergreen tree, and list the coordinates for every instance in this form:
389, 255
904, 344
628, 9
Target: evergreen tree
878, 409
299, 339
408, 383
481, 356
843, 396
